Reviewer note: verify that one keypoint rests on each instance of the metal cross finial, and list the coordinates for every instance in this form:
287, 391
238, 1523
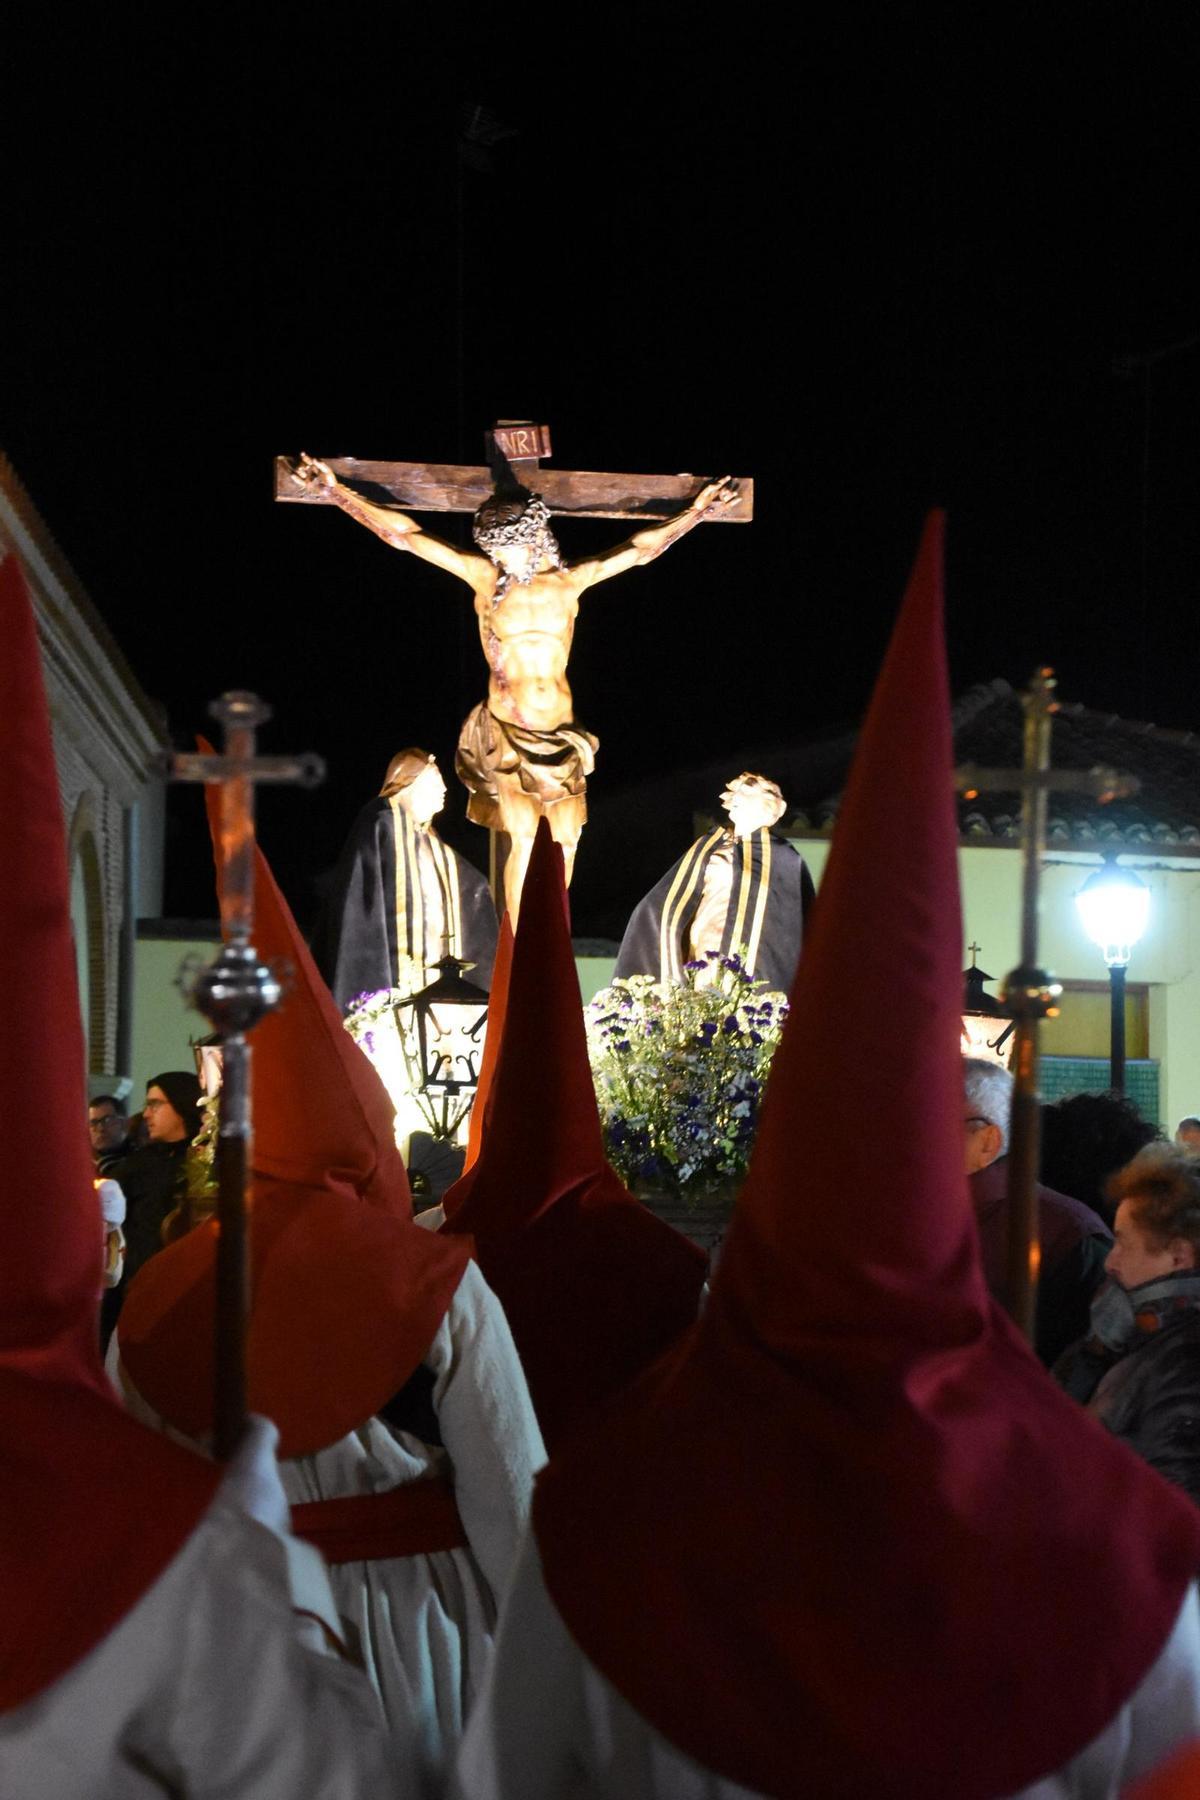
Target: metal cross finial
235, 991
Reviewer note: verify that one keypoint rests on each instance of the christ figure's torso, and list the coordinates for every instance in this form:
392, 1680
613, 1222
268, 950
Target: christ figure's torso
526, 634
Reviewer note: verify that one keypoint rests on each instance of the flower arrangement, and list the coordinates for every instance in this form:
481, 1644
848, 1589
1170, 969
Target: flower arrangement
680, 1071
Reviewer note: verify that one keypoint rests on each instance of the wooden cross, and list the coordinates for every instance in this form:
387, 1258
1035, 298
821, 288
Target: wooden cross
1030, 992
582, 494
235, 992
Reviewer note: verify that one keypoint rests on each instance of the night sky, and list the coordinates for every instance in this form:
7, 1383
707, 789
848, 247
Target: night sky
878, 270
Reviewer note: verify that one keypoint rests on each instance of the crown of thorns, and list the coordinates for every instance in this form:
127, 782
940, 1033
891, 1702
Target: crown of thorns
530, 526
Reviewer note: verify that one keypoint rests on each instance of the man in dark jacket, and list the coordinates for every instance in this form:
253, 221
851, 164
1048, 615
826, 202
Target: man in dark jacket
1074, 1240
1138, 1368
152, 1178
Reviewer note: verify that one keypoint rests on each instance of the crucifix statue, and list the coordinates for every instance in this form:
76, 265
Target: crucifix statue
235, 992
522, 755
1030, 992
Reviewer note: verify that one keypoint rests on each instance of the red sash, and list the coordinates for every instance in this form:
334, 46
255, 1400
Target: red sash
411, 1520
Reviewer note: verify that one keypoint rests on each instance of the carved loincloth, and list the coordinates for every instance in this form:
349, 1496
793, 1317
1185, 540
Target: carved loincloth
494, 753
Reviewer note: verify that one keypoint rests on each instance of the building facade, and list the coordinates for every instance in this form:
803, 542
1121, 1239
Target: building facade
1155, 832
107, 737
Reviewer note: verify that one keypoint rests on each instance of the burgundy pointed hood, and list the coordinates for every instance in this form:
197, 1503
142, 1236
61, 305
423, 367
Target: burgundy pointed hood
594, 1286
92, 1506
347, 1291
867, 1534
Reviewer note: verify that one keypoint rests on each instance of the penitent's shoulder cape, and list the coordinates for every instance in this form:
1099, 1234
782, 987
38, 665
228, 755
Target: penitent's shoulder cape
374, 908
771, 893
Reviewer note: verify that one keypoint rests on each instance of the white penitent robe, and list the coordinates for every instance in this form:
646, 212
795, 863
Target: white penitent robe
424, 1624
211, 1686
549, 1726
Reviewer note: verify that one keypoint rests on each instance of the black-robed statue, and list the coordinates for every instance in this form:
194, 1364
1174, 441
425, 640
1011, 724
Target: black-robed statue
398, 890
739, 888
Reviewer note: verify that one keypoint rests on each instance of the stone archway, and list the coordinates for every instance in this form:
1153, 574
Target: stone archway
88, 929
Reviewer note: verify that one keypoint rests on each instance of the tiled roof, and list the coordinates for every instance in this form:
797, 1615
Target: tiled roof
1164, 813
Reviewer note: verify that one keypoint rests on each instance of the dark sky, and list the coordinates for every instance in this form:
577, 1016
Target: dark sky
877, 269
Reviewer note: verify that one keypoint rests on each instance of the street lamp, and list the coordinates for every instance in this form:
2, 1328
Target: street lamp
1114, 908
441, 1031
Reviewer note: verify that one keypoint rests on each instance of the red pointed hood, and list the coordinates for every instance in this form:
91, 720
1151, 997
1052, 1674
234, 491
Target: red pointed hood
50, 1273
544, 1133
866, 1531
497, 1007
347, 1296
91, 1506
905, 1272
594, 1286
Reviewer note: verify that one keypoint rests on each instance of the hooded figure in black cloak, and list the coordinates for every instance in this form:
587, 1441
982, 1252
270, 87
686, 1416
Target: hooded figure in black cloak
740, 889
398, 890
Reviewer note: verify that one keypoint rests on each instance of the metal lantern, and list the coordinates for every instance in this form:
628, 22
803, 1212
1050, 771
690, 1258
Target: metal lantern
986, 1026
442, 1029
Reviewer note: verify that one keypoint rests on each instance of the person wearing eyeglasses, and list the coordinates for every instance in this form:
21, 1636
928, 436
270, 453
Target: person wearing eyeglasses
1074, 1240
108, 1132
152, 1177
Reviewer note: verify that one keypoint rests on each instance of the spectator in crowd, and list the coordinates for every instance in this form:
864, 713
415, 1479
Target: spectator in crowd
108, 1130
1074, 1239
1138, 1368
152, 1177
1086, 1138
1187, 1133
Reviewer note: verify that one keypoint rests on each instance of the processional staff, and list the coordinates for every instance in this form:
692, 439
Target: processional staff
234, 992
1029, 992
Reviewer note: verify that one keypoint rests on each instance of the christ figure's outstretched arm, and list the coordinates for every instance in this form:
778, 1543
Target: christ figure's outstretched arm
394, 527
645, 545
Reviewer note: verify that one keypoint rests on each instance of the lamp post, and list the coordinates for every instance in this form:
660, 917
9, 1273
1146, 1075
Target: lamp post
441, 1032
1114, 907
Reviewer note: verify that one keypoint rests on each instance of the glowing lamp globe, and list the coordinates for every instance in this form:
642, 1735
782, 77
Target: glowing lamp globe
1114, 909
